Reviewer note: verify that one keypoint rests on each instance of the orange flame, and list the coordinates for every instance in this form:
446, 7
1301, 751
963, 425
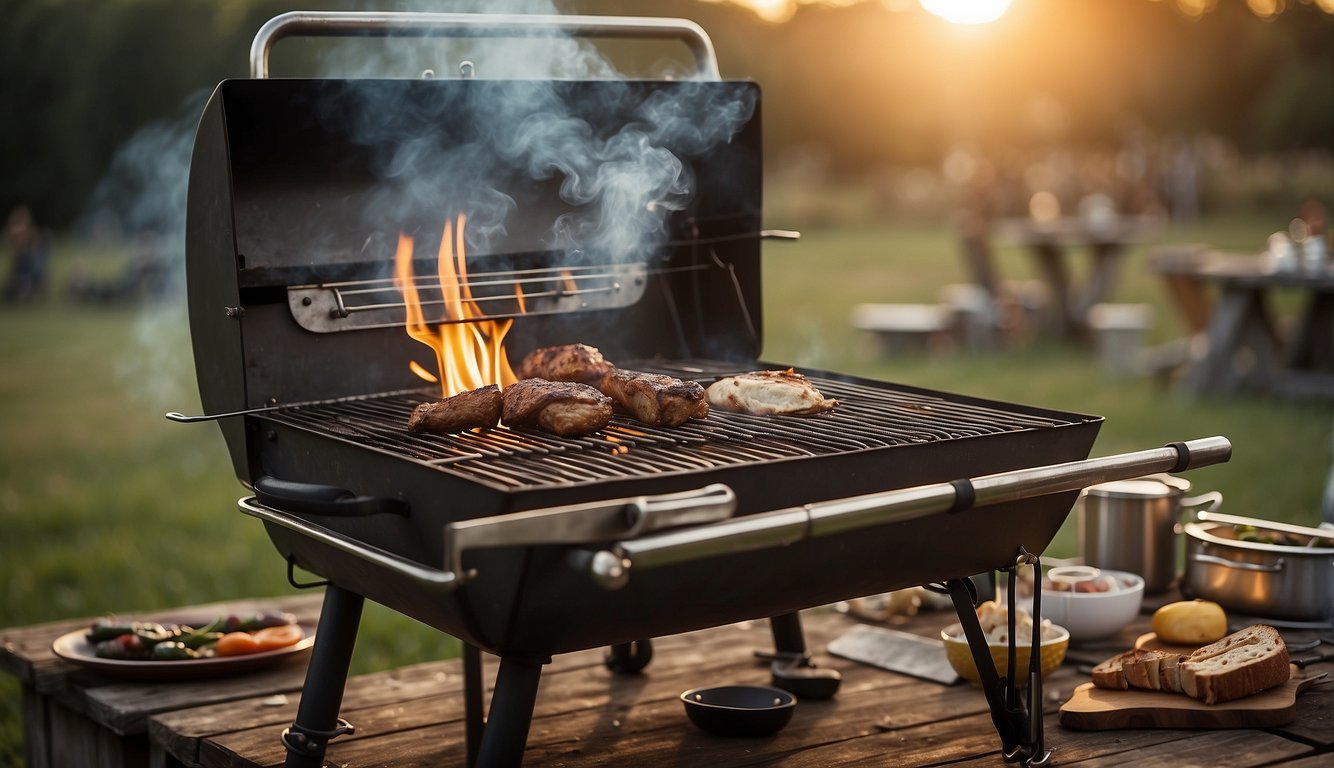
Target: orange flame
469, 350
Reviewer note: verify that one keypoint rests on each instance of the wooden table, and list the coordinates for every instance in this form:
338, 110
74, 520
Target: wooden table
1248, 347
1053, 245
74, 717
586, 716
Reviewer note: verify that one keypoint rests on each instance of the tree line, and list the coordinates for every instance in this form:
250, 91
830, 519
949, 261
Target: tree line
868, 85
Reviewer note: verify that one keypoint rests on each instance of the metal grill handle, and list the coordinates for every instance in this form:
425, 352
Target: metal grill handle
813, 521
354, 24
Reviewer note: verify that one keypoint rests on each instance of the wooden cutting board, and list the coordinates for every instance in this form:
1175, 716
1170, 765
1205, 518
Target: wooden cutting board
1096, 709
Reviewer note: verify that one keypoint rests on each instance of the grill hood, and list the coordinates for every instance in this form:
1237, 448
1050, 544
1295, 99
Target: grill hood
634, 208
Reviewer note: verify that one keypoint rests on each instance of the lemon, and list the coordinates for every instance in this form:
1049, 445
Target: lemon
1190, 622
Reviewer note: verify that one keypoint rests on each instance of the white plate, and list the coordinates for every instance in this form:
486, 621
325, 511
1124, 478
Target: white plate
75, 648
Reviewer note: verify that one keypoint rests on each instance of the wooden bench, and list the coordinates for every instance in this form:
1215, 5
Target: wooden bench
76, 717
903, 328
1118, 335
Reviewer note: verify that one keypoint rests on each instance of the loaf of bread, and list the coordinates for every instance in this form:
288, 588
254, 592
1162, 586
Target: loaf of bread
1243, 663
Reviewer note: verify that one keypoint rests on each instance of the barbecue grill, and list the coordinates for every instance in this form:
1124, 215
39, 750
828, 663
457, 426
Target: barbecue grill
621, 214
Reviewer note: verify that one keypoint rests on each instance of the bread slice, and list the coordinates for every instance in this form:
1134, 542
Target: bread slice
1141, 670
1111, 673
1169, 672
1245, 662
1136, 668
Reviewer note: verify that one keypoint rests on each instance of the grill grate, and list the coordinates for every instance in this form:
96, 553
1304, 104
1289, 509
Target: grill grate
868, 417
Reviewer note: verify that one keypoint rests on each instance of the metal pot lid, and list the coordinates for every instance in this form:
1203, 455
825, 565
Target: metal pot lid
1133, 489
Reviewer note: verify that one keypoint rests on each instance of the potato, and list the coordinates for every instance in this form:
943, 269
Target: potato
1190, 622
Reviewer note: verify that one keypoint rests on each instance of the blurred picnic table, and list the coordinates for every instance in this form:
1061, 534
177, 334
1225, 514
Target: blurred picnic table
1232, 305
1055, 243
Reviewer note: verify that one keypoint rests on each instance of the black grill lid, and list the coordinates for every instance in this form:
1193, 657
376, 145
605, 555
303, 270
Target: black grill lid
296, 184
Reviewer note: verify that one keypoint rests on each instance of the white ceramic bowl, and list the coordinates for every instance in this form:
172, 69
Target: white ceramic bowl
1095, 615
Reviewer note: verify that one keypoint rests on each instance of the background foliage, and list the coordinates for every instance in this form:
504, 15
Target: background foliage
866, 85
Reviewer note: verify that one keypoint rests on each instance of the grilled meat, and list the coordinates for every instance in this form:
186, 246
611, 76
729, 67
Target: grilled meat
564, 408
655, 399
768, 392
568, 362
474, 409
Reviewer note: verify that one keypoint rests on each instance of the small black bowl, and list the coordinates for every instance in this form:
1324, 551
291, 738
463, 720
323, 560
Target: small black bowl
740, 710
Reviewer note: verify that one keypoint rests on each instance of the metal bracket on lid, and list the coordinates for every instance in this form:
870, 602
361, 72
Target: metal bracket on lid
378, 303
356, 24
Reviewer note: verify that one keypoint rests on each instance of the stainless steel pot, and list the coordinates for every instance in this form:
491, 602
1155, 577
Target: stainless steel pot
1294, 583
1132, 525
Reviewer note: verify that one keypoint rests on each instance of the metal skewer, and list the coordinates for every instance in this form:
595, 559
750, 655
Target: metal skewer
184, 419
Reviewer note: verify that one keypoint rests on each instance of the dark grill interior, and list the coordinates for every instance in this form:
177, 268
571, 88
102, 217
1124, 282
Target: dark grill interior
868, 417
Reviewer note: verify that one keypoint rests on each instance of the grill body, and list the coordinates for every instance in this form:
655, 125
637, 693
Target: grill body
299, 187
535, 600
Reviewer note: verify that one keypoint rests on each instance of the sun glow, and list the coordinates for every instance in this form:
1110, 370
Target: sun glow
967, 11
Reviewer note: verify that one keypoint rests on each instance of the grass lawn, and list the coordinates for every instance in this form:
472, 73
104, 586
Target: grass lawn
109, 507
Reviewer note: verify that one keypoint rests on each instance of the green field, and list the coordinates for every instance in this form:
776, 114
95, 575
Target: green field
106, 506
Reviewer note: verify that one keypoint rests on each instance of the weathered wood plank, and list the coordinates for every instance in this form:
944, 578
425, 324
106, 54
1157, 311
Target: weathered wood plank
589, 705
1315, 714
573, 682
74, 716
36, 730
587, 717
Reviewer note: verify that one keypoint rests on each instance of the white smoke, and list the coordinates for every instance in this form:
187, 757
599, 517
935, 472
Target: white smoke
144, 192
622, 182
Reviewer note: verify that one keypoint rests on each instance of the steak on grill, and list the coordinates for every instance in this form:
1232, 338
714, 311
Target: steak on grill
567, 362
475, 409
655, 399
564, 408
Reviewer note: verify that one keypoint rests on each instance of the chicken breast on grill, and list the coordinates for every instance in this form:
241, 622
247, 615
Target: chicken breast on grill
660, 401
564, 408
567, 362
768, 392
474, 409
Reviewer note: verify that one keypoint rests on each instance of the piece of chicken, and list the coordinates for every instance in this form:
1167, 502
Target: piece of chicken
768, 392
657, 400
567, 362
564, 408
474, 409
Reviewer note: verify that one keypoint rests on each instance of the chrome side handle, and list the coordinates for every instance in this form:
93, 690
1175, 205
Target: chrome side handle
388, 24
612, 568
589, 523
431, 578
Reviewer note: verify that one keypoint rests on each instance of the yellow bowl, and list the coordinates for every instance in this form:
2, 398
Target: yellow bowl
1051, 654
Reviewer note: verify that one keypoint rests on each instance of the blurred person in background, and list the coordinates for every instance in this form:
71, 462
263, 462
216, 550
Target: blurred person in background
28, 246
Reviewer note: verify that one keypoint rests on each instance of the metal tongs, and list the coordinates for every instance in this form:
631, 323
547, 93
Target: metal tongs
1019, 724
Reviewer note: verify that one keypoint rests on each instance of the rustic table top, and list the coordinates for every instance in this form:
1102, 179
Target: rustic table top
586, 716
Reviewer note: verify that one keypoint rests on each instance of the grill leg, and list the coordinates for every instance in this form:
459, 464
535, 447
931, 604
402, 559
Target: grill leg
474, 720
792, 668
788, 635
512, 701
317, 718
